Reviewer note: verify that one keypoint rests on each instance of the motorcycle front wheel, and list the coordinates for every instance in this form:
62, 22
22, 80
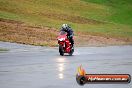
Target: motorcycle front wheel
61, 51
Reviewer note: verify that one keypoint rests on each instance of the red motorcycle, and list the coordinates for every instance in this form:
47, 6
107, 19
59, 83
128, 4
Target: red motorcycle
64, 44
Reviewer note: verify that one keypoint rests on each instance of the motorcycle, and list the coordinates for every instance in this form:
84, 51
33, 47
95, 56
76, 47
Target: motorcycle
64, 44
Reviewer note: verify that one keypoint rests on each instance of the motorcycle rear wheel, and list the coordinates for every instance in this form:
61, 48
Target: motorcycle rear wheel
71, 52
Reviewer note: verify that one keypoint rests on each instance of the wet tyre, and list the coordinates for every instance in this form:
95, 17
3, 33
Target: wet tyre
71, 52
61, 51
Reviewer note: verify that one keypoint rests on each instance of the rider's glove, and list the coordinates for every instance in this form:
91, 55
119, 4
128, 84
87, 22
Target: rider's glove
70, 36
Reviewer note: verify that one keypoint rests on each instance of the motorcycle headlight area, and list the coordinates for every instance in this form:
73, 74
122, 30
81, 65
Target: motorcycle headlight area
61, 39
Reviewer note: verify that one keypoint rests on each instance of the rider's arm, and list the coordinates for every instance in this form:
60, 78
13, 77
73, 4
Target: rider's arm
71, 32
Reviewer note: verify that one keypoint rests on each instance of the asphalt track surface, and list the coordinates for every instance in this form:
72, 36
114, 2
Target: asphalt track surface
25, 66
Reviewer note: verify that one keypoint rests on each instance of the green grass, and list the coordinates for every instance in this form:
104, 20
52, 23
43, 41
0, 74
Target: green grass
3, 49
121, 10
103, 17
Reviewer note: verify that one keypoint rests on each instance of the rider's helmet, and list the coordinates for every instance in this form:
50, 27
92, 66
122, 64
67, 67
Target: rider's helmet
65, 26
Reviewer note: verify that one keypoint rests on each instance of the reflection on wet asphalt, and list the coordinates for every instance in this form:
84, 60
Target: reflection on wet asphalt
25, 66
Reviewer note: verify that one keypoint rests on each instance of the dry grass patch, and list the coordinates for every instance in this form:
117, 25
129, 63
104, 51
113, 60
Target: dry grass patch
86, 39
19, 32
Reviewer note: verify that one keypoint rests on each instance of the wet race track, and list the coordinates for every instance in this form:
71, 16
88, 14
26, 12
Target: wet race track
25, 66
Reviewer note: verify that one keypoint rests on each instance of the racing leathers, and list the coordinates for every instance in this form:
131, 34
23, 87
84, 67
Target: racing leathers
69, 34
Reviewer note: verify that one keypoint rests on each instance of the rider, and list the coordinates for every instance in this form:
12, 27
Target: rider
67, 28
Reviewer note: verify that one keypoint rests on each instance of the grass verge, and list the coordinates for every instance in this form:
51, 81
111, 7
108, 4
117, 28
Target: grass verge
19, 32
3, 49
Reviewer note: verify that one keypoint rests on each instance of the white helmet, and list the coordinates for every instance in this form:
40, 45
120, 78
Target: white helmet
65, 26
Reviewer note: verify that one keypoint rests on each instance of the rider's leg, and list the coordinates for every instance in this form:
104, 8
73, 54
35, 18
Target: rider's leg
72, 41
